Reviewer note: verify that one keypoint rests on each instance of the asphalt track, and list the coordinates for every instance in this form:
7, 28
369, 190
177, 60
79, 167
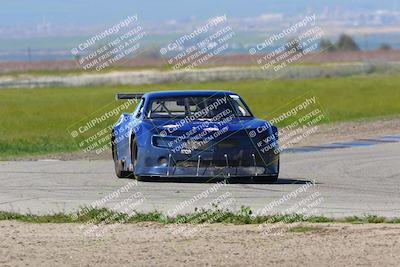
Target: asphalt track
356, 180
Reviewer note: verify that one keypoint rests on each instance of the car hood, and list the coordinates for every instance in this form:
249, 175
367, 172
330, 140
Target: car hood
178, 126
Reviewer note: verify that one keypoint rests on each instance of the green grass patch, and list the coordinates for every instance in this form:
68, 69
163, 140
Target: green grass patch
214, 215
369, 219
36, 120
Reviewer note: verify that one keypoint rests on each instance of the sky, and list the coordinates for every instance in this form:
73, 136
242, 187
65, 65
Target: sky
102, 12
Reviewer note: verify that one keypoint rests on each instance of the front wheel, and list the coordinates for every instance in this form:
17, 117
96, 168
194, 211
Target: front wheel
119, 170
119, 165
134, 156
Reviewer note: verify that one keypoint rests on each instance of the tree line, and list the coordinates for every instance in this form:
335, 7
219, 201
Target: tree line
344, 43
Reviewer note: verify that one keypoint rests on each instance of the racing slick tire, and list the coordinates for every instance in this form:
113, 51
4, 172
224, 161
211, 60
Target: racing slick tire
119, 165
134, 155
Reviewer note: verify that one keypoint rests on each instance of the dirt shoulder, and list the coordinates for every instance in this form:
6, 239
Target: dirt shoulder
348, 131
151, 244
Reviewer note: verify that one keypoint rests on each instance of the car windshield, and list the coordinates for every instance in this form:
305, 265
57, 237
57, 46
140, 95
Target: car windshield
201, 107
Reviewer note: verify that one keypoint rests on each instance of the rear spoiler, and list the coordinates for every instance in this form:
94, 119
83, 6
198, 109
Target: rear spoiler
129, 96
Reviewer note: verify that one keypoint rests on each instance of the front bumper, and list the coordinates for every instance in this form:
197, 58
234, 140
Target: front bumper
161, 162
211, 172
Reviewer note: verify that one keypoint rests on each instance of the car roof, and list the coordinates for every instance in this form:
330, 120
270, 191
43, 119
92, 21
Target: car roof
186, 93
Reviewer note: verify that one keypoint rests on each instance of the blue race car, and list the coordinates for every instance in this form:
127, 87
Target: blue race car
194, 134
